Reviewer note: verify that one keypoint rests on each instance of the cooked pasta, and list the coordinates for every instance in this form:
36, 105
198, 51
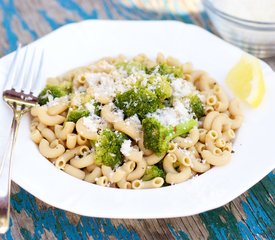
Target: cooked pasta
135, 123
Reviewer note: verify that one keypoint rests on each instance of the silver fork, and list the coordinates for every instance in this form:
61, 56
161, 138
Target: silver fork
19, 92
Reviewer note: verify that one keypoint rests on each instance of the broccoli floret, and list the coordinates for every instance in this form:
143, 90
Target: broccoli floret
54, 91
162, 87
82, 105
131, 66
107, 148
152, 172
165, 69
74, 115
197, 106
157, 136
138, 101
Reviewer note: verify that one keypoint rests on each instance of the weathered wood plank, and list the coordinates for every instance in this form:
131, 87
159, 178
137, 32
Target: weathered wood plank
251, 216
35, 217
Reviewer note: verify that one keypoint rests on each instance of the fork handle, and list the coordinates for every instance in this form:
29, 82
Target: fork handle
5, 174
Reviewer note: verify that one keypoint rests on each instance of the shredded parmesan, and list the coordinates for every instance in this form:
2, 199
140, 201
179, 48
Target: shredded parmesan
102, 84
94, 123
182, 88
172, 116
56, 101
116, 111
126, 148
90, 106
134, 119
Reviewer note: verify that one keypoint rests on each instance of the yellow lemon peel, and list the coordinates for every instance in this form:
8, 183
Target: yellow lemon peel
246, 80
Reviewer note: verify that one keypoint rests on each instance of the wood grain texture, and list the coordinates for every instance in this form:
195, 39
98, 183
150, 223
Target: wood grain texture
250, 216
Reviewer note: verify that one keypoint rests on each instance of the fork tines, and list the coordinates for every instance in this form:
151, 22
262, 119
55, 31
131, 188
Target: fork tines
22, 79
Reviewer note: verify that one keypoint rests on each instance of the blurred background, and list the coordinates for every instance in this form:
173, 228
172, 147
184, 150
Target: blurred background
27, 20
247, 24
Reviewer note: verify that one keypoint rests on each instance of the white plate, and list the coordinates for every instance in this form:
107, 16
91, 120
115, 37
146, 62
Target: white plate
79, 44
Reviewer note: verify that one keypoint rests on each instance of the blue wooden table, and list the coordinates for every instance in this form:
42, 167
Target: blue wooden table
250, 216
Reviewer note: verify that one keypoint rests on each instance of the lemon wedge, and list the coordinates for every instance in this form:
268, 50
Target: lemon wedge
246, 80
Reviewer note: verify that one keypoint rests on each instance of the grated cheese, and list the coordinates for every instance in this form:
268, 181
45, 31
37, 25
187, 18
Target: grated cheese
126, 148
102, 84
94, 123
56, 101
172, 116
134, 119
116, 111
90, 106
182, 88
80, 89
253, 10
76, 100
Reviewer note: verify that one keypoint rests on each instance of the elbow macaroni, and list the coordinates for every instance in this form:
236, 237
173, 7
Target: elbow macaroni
70, 146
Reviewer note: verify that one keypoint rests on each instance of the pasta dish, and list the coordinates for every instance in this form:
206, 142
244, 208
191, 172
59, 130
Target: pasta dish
135, 123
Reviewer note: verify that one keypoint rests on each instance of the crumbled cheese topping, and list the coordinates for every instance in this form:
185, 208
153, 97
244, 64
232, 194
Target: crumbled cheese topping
102, 84
185, 152
76, 100
90, 106
49, 96
182, 88
94, 123
256, 10
108, 85
172, 116
80, 89
126, 148
134, 119
56, 101
116, 111
187, 140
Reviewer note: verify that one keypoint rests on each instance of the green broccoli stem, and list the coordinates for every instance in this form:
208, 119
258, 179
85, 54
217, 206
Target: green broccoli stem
183, 128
